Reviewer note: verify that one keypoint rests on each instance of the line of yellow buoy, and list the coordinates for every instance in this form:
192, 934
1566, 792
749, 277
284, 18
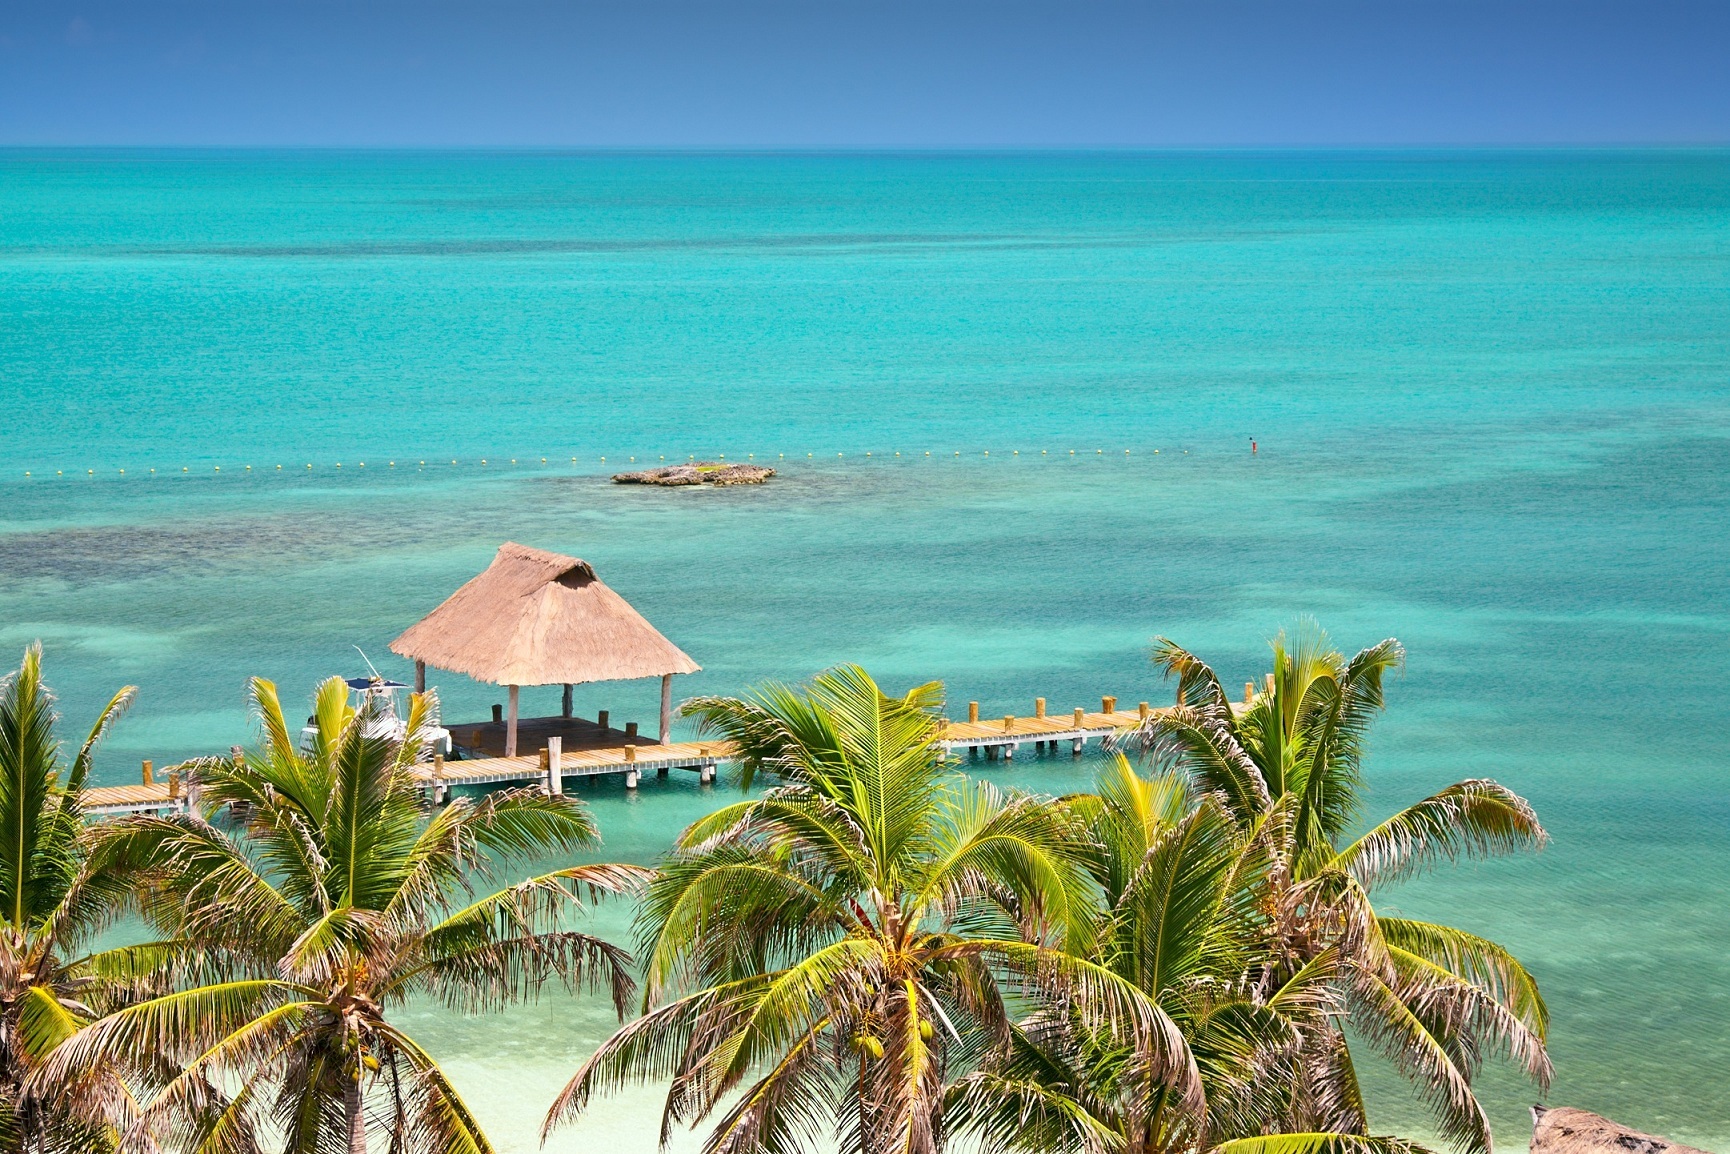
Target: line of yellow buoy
488, 462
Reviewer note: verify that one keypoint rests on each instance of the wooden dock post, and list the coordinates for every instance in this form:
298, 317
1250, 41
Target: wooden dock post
498, 713
1108, 705
174, 785
438, 779
555, 765
630, 732
565, 702
1079, 714
1249, 693
631, 776
149, 772
601, 719
1039, 707
1143, 709
1269, 684
706, 772
511, 726
666, 707
1008, 721
973, 711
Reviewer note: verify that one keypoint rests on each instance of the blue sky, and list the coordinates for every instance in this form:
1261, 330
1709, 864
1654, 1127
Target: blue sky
722, 74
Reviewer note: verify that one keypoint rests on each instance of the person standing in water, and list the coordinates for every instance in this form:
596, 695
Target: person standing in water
1252, 446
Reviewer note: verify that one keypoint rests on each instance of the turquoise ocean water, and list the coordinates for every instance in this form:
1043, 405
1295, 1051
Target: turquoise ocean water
1489, 390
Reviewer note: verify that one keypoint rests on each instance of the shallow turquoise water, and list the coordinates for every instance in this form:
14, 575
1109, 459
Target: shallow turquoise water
1489, 392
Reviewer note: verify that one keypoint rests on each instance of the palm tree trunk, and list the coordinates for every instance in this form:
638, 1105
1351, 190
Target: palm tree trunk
351, 1100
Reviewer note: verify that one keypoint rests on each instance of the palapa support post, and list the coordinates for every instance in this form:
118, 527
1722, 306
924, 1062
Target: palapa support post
420, 677
666, 707
511, 726
565, 702
555, 765
1039, 707
149, 772
973, 711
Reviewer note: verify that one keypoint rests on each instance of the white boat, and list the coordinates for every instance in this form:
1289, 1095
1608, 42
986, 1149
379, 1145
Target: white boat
375, 700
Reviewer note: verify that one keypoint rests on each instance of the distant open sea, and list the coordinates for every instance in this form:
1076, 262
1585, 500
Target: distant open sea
1491, 394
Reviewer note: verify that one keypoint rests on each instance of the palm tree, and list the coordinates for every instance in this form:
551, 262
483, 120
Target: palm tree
840, 942
52, 902
340, 902
1186, 894
1287, 766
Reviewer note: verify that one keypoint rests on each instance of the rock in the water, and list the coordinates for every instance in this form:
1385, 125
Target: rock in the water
1565, 1130
700, 473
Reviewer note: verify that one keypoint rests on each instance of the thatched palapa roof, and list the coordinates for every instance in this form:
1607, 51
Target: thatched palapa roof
1565, 1130
539, 618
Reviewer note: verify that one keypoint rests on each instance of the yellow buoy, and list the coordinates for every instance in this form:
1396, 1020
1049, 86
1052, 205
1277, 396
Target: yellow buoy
123, 472
218, 468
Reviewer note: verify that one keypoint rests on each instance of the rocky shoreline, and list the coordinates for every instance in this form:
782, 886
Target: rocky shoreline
698, 473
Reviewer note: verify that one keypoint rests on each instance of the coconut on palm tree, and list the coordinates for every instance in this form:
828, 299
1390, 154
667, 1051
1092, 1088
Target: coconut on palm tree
338, 903
1287, 766
822, 960
52, 903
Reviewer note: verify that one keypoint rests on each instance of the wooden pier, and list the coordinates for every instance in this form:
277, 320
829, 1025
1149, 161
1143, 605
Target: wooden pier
580, 748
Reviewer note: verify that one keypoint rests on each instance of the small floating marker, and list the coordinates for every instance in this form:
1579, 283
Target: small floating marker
722, 457
927, 452
783, 456
663, 457
184, 469
513, 460
26, 472
988, 452
1042, 452
218, 468
309, 464
1126, 452
840, 454
543, 461
363, 464
1101, 452
958, 452
807, 454
1017, 452
750, 456
393, 464
339, 464
573, 460
153, 470
123, 471
867, 452
483, 460
603, 461
278, 469
248, 469
1156, 451
92, 472
61, 472
897, 452
1072, 452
